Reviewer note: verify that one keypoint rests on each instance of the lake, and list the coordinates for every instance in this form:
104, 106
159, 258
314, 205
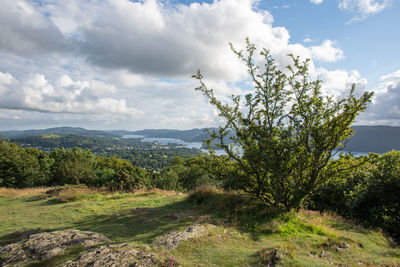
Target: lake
166, 141
198, 145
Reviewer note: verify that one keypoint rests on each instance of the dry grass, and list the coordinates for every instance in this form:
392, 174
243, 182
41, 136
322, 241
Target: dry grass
72, 193
11, 192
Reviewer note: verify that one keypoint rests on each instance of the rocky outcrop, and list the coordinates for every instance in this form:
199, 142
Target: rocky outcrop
172, 240
44, 246
272, 257
121, 255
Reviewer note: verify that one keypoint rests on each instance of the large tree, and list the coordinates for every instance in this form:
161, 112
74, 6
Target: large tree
283, 134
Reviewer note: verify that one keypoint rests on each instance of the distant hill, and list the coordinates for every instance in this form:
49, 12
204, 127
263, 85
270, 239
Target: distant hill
193, 135
377, 139
60, 131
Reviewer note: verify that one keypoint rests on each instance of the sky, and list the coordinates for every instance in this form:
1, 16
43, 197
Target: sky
121, 64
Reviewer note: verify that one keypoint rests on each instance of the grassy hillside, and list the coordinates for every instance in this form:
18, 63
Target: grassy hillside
244, 236
58, 131
377, 139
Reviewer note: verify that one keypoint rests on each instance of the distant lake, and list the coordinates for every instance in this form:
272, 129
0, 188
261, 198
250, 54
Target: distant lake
166, 141
198, 145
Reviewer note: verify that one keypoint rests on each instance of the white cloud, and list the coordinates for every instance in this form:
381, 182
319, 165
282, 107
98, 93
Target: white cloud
25, 31
327, 52
316, 1
337, 83
364, 8
153, 38
385, 107
142, 53
34, 92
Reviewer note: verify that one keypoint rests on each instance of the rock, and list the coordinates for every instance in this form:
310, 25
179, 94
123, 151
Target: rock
44, 246
272, 256
325, 254
276, 256
342, 247
123, 255
12, 253
172, 240
52, 253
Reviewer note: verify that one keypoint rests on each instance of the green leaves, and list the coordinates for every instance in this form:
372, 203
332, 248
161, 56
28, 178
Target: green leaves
286, 132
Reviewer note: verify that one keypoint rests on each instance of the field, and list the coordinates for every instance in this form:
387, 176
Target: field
243, 236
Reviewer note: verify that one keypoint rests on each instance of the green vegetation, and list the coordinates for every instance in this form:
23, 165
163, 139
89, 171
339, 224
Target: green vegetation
152, 156
305, 238
367, 189
286, 132
278, 164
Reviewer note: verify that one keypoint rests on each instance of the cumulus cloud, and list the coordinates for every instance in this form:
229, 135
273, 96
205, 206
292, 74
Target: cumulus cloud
143, 52
153, 38
316, 1
337, 83
327, 52
25, 31
385, 107
35, 92
364, 8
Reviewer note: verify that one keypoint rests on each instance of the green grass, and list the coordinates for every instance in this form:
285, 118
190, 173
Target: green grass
244, 235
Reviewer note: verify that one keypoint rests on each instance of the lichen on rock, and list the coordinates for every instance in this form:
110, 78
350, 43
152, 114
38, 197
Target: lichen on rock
172, 240
44, 246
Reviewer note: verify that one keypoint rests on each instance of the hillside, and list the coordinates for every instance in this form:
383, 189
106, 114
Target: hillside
210, 228
59, 131
193, 135
149, 155
378, 139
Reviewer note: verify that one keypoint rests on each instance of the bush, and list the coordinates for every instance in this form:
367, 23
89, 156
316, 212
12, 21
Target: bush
368, 193
73, 166
18, 167
284, 132
120, 174
187, 174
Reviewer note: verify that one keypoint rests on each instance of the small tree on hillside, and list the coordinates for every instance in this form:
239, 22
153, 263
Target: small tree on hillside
286, 132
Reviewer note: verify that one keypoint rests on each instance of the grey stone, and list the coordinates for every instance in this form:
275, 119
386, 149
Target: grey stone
47, 245
123, 255
172, 240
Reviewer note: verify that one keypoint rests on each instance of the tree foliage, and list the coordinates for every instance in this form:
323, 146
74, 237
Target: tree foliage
368, 193
285, 132
18, 168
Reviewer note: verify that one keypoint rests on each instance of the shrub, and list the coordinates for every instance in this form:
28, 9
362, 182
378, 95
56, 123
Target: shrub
368, 193
18, 168
283, 133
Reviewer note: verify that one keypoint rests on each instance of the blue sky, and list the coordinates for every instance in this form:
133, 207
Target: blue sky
371, 45
120, 64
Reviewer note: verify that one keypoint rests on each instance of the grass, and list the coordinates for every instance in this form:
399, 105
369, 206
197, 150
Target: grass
11, 192
246, 234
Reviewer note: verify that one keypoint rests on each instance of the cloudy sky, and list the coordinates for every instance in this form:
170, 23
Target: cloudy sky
120, 64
